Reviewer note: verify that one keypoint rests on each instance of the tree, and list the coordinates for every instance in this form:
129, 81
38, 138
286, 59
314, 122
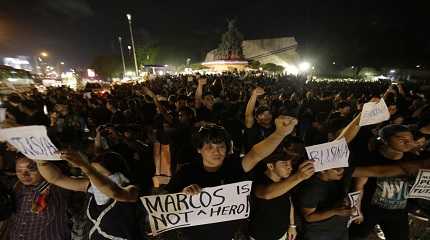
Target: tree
254, 64
271, 67
147, 55
108, 66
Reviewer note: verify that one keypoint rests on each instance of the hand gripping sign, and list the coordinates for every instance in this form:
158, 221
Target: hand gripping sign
32, 141
374, 113
215, 204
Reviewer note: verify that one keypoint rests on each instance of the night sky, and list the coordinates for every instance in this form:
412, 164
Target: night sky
366, 33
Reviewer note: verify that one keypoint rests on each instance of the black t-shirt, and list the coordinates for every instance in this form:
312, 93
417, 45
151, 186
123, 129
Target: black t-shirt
256, 134
323, 196
269, 218
384, 192
204, 114
194, 173
120, 219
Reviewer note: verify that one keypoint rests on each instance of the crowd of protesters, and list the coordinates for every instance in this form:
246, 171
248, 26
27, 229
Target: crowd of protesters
206, 131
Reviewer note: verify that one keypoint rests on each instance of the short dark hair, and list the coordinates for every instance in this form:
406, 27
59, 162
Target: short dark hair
211, 133
388, 131
277, 156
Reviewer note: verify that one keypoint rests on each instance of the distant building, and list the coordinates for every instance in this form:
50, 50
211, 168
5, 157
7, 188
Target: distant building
281, 51
19, 62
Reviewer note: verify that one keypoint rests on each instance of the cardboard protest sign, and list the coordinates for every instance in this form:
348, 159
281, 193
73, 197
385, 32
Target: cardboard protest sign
2, 114
329, 155
354, 201
374, 113
216, 204
421, 187
32, 141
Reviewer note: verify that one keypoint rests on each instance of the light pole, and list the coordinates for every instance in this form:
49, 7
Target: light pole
122, 56
132, 44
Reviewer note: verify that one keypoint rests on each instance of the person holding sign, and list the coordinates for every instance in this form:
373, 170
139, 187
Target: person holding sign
215, 168
385, 198
40, 208
272, 197
112, 196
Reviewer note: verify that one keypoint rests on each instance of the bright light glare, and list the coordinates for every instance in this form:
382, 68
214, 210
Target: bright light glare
392, 71
43, 54
128, 16
304, 66
290, 69
418, 66
62, 63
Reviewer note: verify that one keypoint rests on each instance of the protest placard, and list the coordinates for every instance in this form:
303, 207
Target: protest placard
2, 114
354, 202
32, 141
329, 155
216, 204
374, 113
421, 187
87, 95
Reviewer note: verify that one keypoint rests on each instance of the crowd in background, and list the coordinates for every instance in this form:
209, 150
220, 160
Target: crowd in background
183, 133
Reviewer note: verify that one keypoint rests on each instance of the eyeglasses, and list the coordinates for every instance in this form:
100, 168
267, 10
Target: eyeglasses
211, 126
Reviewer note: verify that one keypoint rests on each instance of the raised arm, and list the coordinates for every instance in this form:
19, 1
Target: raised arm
103, 183
53, 175
284, 126
351, 130
277, 189
250, 107
407, 168
199, 92
160, 107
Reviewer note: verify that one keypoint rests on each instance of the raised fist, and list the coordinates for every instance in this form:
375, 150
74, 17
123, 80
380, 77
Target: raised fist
203, 81
285, 124
258, 91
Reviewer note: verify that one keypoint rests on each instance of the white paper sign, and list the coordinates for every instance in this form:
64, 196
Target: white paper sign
216, 204
354, 201
329, 155
374, 113
32, 141
421, 187
2, 114
87, 95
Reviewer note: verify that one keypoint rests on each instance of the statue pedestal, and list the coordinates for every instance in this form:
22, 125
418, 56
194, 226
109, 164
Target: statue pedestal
226, 65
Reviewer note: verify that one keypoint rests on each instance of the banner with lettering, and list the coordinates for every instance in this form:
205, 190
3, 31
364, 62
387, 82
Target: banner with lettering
215, 204
329, 155
374, 113
32, 141
421, 187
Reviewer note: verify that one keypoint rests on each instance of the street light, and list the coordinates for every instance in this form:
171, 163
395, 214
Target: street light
44, 54
122, 56
132, 44
62, 63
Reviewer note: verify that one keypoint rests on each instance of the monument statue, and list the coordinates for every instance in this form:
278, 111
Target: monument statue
230, 47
